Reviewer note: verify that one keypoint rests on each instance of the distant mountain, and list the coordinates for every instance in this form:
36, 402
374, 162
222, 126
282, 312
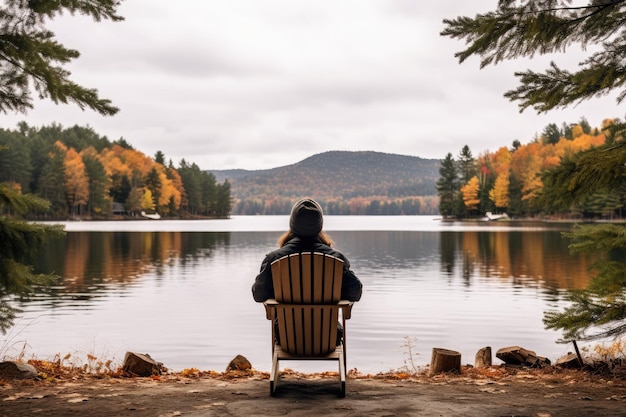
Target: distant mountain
338, 175
230, 174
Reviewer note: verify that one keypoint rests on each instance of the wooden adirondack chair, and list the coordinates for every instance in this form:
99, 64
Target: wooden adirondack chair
307, 290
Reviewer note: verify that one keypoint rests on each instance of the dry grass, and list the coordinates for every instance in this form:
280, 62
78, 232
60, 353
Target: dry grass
53, 372
603, 362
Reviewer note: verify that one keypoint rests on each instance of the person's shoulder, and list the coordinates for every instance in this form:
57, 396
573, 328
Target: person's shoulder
277, 253
329, 250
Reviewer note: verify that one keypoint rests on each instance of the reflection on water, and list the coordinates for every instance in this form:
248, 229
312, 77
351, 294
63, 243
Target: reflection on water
91, 258
92, 263
184, 297
526, 258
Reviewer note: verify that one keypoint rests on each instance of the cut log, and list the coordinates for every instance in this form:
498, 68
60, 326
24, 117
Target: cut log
483, 358
516, 355
141, 364
568, 361
445, 360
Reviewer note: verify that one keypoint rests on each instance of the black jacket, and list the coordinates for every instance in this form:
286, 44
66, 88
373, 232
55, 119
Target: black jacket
263, 288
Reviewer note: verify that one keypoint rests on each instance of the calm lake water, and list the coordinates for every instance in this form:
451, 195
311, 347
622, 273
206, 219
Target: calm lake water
180, 290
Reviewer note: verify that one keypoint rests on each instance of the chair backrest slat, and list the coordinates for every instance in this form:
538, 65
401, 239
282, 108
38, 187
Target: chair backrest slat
294, 281
280, 279
307, 326
308, 286
306, 276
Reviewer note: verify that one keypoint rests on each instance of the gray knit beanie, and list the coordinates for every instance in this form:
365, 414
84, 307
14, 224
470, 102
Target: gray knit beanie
306, 218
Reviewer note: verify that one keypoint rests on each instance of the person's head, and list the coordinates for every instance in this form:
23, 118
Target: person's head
306, 221
306, 218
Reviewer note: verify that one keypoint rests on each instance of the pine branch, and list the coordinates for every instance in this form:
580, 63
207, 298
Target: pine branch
29, 52
516, 30
558, 88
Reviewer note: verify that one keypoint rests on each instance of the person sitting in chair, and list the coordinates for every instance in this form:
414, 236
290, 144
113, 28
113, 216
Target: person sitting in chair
305, 235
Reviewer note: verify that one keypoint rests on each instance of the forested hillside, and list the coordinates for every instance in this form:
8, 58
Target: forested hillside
84, 175
344, 183
513, 180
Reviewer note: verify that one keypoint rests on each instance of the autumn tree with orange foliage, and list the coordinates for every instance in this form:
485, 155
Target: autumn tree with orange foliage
99, 201
76, 181
524, 167
86, 182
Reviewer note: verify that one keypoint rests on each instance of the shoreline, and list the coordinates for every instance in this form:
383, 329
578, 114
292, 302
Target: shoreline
494, 391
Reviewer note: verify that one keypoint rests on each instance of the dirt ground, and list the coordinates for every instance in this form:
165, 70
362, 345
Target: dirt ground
493, 392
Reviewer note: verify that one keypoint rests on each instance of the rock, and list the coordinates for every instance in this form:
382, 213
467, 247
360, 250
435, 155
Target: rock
516, 355
17, 370
568, 361
483, 358
239, 363
141, 364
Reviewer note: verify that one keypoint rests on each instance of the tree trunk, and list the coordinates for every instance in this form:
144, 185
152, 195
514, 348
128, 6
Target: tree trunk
444, 360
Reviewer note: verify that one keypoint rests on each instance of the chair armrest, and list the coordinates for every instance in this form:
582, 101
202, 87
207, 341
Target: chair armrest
270, 305
346, 308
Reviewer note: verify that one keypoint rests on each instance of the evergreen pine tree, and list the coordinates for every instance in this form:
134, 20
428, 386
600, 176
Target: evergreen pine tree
19, 242
551, 134
31, 59
448, 186
522, 29
466, 164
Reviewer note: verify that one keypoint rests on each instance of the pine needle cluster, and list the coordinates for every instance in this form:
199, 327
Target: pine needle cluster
519, 29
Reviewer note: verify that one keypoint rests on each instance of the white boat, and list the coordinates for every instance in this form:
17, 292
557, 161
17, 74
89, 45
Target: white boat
155, 216
491, 216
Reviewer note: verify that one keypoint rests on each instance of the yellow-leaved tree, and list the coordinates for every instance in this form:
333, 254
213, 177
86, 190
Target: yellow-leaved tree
470, 193
147, 203
76, 180
499, 194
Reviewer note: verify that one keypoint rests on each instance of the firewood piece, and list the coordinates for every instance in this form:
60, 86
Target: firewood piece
483, 358
445, 360
516, 355
141, 364
568, 361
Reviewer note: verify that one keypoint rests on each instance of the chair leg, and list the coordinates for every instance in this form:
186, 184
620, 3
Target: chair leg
344, 343
274, 374
342, 375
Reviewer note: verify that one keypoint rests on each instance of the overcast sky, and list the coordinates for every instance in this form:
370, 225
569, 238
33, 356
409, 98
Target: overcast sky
258, 84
